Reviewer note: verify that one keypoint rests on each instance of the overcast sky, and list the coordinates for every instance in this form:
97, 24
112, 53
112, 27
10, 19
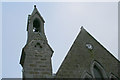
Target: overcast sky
62, 24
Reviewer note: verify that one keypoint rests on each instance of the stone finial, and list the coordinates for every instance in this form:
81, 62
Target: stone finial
34, 6
81, 27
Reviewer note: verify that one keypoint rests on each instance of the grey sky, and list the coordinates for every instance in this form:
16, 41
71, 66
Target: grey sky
62, 25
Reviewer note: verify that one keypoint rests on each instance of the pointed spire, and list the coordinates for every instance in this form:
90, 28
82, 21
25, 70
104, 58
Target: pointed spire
36, 11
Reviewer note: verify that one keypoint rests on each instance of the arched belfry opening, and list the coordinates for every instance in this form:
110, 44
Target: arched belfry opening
36, 25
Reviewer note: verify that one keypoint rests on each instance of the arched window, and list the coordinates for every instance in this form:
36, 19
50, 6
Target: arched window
97, 70
86, 76
113, 77
36, 25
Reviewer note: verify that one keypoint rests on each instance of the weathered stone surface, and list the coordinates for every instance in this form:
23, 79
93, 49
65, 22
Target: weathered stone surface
37, 53
84, 54
80, 58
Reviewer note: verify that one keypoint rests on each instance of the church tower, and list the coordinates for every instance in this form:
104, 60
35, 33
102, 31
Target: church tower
36, 55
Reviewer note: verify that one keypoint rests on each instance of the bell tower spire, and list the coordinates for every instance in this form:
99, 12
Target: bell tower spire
35, 25
36, 55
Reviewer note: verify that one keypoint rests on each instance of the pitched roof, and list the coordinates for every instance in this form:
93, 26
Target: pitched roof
79, 55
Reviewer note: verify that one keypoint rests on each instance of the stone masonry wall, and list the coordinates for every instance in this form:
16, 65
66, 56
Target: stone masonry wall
37, 60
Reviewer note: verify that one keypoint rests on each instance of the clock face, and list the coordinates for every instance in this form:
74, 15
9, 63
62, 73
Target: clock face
89, 46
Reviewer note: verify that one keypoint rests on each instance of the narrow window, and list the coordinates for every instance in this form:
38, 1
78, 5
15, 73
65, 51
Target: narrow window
36, 25
86, 76
97, 72
113, 77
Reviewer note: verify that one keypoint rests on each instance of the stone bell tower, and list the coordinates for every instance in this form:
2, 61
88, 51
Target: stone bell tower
36, 55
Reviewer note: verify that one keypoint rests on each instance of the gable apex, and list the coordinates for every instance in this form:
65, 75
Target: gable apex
35, 11
84, 30
80, 57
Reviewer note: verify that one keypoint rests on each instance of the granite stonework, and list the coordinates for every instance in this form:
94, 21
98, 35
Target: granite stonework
36, 55
80, 59
84, 57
